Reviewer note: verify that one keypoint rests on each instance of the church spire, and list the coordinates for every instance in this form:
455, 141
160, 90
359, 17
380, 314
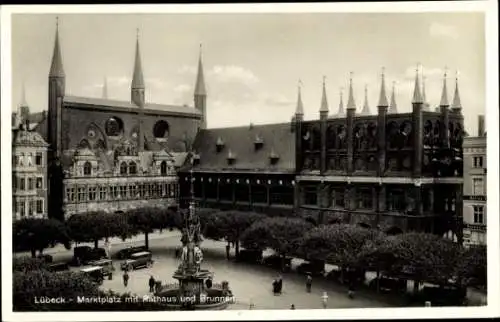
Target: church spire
200, 79
350, 101
366, 107
393, 108
105, 88
457, 104
56, 67
138, 77
382, 101
23, 96
324, 100
417, 96
300, 107
341, 112
444, 94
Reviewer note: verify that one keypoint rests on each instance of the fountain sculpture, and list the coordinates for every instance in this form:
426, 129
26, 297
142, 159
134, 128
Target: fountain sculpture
192, 293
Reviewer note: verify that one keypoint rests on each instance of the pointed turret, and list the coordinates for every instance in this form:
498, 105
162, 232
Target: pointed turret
382, 100
24, 109
457, 104
351, 105
200, 92
444, 94
299, 111
138, 77
417, 95
199, 88
324, 100
105, 89
366, 107
341, 112
393, 107
56, 67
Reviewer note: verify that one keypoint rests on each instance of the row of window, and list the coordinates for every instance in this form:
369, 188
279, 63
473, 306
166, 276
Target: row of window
28, 207
478, 187
121, 192
478, 162
130, 168
26, 184
27, 159
282, 195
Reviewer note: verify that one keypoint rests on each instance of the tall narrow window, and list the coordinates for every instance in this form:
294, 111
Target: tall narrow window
92, 193
22, 208
132, 168
311, 196
478, 162
31, 186
87, 169
163, 168
22, 186
39, 183
123, 168
39, 206
478, 214
478, 186
38, 158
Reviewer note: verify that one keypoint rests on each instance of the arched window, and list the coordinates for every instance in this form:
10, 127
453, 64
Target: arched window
87, 169
132, 168
123, 168
114, 126
163, 168
161, 129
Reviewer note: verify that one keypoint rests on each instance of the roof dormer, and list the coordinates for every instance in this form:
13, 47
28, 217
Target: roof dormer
274, 157
219, 144
231, 157
258, 142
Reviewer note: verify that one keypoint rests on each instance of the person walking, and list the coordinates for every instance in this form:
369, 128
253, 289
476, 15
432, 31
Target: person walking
324, 299
208, 283
275, 287
152, 284
228, 248
350, 290
308, 283
280, 284
292, 307
125, 278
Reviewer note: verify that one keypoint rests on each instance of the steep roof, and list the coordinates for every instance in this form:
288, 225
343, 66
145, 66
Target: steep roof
274, 140
22, 137
128, 105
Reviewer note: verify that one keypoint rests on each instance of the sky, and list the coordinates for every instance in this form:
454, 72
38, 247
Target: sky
253, 62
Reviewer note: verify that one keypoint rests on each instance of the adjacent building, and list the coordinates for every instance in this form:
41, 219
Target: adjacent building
474, 207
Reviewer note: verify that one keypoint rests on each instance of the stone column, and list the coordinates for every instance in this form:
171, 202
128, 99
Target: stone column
323, 125
350, 124
417, 128
381, 139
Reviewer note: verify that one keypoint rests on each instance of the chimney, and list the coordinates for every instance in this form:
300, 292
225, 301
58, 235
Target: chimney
480, 125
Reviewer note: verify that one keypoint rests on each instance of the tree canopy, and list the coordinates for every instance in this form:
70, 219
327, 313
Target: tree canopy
38, 234
228, 225
281, 234
94, 226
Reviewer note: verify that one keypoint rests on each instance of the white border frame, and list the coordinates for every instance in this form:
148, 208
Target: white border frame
490, 7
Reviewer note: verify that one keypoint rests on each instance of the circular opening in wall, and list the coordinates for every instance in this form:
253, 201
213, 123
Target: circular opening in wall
114, 126
161, 129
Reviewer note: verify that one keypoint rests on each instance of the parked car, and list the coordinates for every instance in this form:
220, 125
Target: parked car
389, 284
82, 255
343, 277
275, 262
313, 268
107, 265
46, 258
448, 295
95, 273
58, 267
136, 260
249, 256
126, 252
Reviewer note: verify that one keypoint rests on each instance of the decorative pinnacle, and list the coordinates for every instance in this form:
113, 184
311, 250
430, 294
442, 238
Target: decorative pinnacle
57, 21
383, 96
350, 102
457, 104
324, 101
300, 106
444, 94
417, 96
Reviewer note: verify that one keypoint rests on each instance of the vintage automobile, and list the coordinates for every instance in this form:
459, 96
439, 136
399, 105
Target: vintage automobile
126, 252
388, 284
82, 255
107, 265
313, 268
95, 273
136, 260
46, 258
249, 256
275, 262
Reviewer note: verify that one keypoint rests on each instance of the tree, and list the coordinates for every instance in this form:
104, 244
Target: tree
472, 269
142, 220
425, 257
36, 234
281, 234
94, 226
228, 225
26, 264
41, 283
339, 243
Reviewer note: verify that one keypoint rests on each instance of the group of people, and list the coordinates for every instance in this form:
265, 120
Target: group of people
277, 285
151, 282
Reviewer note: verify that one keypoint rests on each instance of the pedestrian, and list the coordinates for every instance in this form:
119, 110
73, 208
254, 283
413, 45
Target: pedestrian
280, 284
227, 251
350, 291
292, 307
152, 284
324, 299
275, 287
125, 278
308, 283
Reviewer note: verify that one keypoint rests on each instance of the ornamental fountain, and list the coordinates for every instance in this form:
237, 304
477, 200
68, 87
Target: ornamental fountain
191, 292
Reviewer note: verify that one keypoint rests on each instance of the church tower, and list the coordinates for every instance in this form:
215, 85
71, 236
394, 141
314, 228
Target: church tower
137, 89
57, 84
200, 93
